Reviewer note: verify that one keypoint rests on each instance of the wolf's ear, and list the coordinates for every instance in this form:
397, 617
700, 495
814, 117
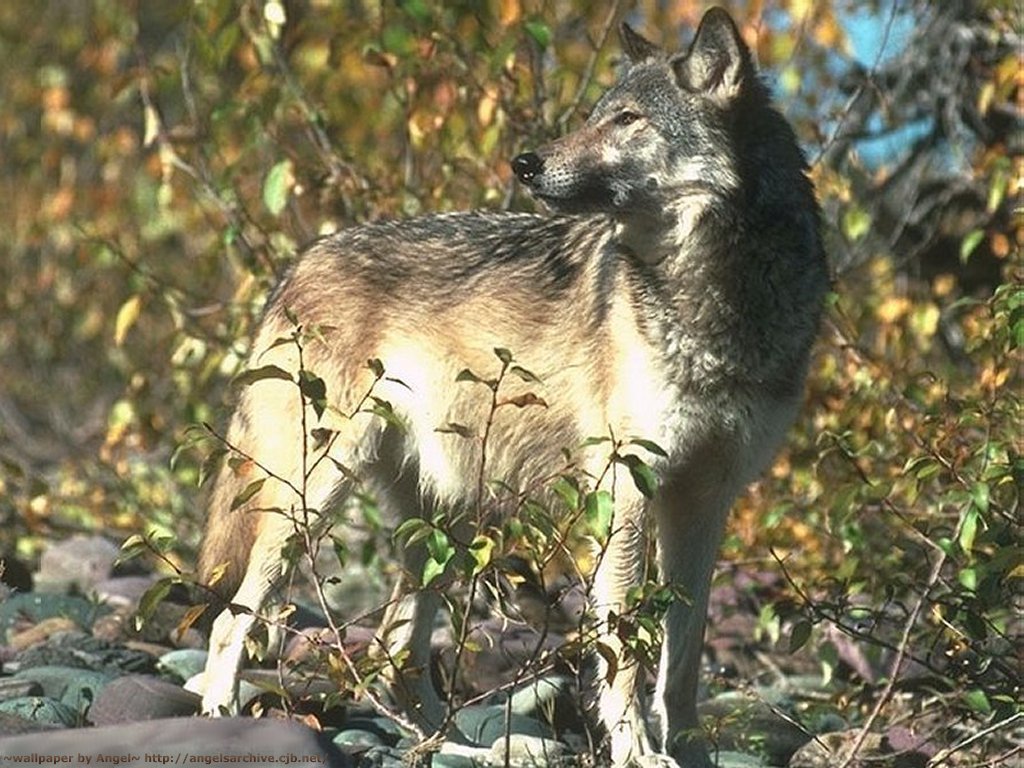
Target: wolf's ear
636, 46
718, 60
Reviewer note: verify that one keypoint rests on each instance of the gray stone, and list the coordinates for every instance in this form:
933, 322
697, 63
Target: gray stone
12, 688
383, 757
12, 725
752, 725
79, 562
75, 687
442, 760
136, 744
141, 697
123, 591
355, 740
540, 695
83, 651
524, 751
41, 709
182, 663
726, 759
484, 724
33, 607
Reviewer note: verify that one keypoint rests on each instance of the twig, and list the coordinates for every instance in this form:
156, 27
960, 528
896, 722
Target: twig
588, 70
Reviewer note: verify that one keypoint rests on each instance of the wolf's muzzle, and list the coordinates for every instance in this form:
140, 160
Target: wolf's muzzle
527, 166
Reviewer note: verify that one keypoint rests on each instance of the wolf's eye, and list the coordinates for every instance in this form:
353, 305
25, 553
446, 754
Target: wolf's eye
625, 117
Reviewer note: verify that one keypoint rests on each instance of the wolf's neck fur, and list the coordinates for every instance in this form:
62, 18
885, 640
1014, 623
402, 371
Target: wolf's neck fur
653, 237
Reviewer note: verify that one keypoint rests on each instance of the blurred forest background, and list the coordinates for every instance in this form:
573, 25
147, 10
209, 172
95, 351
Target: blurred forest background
162, 162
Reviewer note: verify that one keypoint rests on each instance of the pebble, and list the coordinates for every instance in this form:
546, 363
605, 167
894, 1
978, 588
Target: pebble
523, 751
19, 611
75, 687
141, 697
41, 709
483, 724
182, 663
76, 563
78, 649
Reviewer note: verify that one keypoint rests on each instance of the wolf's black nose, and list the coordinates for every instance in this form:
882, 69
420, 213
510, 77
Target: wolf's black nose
527, 165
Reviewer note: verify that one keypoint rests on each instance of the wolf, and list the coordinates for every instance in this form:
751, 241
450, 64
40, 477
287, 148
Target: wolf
673, 294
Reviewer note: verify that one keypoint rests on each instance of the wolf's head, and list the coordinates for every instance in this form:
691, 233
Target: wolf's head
675, 128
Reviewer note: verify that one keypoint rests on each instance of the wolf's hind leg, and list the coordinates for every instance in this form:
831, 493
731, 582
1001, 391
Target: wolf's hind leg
403, 638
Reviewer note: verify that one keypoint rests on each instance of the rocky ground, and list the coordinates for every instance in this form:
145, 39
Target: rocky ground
79, 682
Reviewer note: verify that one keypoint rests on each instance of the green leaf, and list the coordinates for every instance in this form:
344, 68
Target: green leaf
457, 429
970, 243
134, 546
969, 529
247, 493
413, 530
799, 635
277, 186
855, 223
245, 378
649, 446
503, 354
643, 476
598, 509
482, 552
568, 490
977, 701
524, 374
151, 599
539, 31
467, 375
314, 389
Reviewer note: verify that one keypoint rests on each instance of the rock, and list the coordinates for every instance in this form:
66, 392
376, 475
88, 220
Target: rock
354, 741
141, 697
540, 694
162, 626
387, 730
448, 760
11, 688
728, 759
182, 663
191, 739
41, 709
77, 649
40, 632
123, 591
485, 723
746, 724
75, 687
525, 751
896, 747
11, 725
384, 757
77, 563
20, 611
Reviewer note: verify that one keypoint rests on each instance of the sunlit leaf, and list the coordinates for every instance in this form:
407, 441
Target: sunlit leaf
126, 317
277, 186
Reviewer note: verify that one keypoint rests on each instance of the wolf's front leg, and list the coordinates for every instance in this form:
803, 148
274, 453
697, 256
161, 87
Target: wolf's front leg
219, 684
620, 568
690, 526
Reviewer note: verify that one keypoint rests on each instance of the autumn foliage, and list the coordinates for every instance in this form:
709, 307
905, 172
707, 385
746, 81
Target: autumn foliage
162, 164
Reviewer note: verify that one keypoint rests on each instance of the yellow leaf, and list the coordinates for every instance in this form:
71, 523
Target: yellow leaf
126, 317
